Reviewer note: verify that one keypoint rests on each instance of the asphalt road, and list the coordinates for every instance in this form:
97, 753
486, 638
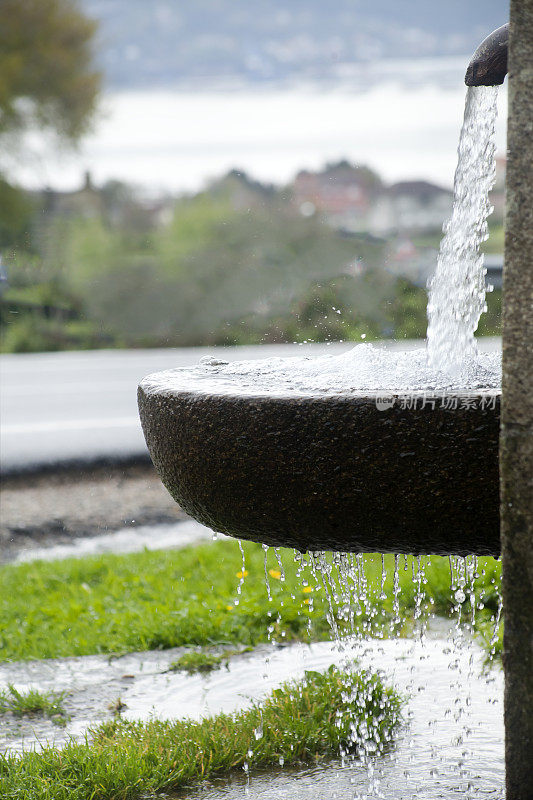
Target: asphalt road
81, 406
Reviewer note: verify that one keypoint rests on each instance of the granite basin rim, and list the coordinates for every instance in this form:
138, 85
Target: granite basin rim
185, 381
328, 471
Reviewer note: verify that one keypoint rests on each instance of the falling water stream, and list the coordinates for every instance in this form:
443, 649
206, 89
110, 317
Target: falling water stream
457, 290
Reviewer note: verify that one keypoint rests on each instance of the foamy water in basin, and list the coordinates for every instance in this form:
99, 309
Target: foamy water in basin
364, 368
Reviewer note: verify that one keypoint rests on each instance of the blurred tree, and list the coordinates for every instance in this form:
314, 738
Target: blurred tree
46, 67
16, 213
47, 80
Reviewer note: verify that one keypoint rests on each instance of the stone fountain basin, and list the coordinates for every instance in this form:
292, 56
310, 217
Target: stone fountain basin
318, 471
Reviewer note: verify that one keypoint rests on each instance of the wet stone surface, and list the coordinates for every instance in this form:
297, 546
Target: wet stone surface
328, 472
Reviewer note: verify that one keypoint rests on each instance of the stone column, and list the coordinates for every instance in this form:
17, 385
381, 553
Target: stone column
516, 443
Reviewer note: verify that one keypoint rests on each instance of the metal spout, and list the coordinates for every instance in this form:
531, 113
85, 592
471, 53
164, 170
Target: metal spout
488, 66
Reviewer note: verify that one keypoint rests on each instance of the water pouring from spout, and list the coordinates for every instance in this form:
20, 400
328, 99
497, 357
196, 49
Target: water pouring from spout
457, 290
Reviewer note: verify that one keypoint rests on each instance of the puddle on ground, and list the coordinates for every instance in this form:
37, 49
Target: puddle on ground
396, 780
126, 540
450, 746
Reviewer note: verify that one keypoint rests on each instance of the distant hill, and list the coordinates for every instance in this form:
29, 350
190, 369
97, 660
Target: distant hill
197, 42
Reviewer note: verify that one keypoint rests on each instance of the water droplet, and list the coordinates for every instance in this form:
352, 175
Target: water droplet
267, 582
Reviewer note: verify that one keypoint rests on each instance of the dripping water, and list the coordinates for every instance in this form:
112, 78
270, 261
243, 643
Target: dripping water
321, 570
265, 564
352, 603
242, 574
280, 564
396, 594
382, 595
494, 637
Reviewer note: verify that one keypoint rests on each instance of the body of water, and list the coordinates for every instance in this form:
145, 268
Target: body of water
177, 140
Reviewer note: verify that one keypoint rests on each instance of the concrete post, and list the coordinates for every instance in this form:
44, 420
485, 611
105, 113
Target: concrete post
516, 444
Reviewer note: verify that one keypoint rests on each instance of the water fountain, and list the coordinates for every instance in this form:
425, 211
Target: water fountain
406, 466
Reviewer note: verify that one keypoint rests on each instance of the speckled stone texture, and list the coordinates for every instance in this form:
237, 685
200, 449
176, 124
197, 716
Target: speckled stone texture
329, 472
517, 412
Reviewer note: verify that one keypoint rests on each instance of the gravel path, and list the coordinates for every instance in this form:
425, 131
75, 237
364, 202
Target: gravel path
54, 507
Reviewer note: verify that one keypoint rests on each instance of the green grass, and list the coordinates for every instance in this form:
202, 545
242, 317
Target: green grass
299, 723
202, 662
162, 599
496, 241
491, 638
33, 703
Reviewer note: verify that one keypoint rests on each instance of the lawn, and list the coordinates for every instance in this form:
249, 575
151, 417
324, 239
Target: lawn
202, 596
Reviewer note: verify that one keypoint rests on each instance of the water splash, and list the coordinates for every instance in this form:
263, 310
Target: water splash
457, 290
363, 368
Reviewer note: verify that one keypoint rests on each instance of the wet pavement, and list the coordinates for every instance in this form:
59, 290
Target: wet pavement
125, 540
451, 744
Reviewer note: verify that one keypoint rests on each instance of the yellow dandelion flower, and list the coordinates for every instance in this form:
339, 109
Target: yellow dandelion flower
307, 589
229, 608
307, 601
275, 573
242, 573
